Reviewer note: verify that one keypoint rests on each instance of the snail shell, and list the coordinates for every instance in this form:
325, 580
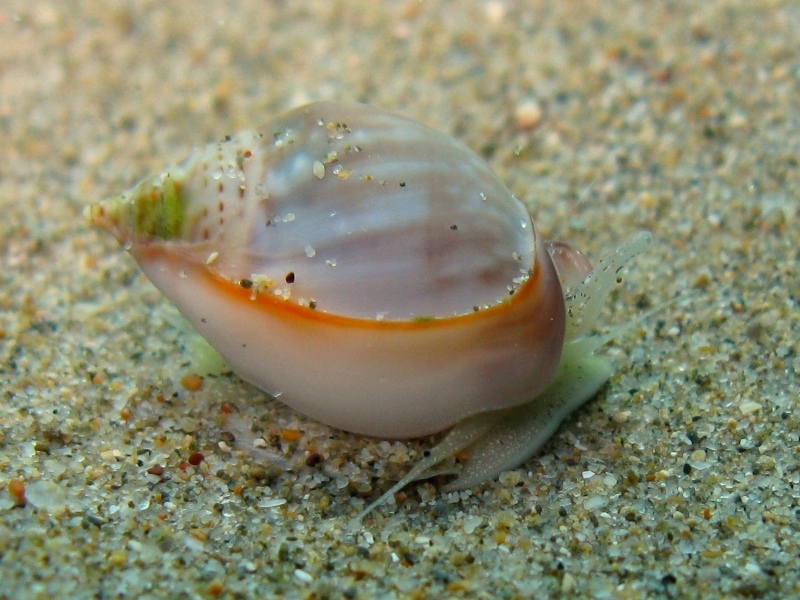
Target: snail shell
365, 269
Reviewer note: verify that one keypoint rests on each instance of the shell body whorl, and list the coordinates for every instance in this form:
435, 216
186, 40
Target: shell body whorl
367, 270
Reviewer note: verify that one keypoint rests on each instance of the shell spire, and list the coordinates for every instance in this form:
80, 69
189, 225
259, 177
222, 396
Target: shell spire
154, 209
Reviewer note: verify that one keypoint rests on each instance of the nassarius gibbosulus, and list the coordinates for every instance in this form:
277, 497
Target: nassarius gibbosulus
376, 275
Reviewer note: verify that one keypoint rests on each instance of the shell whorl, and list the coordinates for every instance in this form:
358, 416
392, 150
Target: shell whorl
353, 209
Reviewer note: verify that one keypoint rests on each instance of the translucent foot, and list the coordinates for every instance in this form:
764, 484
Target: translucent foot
501, 440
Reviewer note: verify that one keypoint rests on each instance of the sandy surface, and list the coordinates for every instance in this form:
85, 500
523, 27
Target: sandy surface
680, 480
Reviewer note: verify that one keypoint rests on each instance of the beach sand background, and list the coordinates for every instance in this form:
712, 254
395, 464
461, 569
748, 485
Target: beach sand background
681, 479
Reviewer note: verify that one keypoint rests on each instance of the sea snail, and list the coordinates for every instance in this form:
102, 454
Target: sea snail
376, 275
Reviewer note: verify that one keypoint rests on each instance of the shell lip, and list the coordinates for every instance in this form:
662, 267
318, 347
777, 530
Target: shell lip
237, 292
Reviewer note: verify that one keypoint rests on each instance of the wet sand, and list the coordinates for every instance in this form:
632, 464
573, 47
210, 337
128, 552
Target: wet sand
679, 480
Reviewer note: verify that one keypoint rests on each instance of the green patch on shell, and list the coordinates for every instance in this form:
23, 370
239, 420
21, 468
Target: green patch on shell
158, 208
154, 208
